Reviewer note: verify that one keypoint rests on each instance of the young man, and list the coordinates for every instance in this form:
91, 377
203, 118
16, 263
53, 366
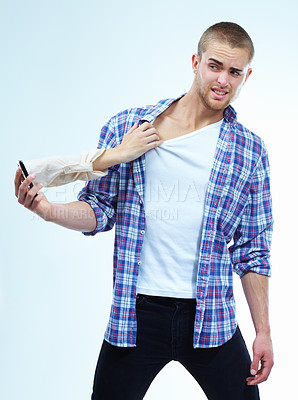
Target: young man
175, 210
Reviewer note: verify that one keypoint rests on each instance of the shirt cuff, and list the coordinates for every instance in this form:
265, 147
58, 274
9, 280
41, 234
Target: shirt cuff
262, 268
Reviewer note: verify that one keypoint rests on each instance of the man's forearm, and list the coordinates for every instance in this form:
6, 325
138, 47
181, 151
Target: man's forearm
255, 287
77, 215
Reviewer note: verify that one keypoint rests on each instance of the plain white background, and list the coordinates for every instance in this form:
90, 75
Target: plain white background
66, 68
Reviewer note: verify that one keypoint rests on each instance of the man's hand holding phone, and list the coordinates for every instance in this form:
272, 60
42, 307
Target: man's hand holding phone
77, 215
29, 196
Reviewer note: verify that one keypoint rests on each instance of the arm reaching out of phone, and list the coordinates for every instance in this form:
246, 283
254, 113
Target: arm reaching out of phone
59, 170
79, 215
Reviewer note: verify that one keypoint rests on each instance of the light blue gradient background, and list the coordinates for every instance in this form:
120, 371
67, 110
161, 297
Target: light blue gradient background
66, 68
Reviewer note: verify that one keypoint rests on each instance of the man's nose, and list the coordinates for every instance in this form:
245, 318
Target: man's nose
222, 79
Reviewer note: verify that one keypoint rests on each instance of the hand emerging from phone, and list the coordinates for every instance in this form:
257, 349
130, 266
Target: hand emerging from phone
136, 142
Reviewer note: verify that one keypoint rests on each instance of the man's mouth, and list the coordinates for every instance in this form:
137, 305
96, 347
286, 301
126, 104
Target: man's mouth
219, 93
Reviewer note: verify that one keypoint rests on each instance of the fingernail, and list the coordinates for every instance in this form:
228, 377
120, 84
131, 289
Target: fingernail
253, 371
33, 175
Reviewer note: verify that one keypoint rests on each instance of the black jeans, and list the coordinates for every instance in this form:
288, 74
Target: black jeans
165, 333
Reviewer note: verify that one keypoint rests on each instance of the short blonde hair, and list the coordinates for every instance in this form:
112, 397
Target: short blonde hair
227, 32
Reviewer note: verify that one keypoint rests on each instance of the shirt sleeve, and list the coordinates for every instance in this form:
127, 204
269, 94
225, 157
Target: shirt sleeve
102, 193
252, 238
60, 170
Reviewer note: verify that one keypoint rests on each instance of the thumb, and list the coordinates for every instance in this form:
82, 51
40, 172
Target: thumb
255, 365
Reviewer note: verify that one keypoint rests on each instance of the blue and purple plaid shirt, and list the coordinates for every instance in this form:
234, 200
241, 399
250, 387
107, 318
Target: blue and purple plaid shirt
237, 225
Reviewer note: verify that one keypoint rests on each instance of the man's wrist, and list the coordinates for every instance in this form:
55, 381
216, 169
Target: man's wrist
49, 214
263, 331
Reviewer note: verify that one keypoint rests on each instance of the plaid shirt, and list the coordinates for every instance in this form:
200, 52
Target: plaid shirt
237, 209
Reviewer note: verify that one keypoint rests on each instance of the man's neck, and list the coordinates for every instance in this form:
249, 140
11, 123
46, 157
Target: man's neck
191, 113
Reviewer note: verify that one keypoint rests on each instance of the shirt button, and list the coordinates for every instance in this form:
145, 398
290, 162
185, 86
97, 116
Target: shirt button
142, 232
139, 262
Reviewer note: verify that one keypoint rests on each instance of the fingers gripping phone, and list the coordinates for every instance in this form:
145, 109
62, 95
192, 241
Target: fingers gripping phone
24, 171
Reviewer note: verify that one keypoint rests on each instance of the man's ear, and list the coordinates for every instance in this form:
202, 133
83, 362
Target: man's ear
195, 60
248, 74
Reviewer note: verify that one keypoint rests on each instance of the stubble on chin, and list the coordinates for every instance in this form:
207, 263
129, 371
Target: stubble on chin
211, 106
203, 96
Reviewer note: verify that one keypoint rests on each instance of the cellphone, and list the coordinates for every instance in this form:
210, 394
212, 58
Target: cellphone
24, 171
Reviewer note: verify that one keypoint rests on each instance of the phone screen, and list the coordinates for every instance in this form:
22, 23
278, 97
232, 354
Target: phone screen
24, 171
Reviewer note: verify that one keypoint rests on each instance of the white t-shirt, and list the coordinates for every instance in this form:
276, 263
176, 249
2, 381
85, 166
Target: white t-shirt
176, 180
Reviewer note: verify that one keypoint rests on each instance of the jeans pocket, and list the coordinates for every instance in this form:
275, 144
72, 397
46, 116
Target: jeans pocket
140, 299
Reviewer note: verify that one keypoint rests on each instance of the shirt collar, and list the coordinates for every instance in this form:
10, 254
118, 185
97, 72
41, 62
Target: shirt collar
230, 114
158, 108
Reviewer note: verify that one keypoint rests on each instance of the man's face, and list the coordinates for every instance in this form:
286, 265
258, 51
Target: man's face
221, 72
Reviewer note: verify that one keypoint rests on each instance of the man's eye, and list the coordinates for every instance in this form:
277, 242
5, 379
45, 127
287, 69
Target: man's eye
213, 66
235, 73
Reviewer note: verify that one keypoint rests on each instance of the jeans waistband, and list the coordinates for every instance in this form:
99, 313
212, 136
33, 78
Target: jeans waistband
166, 300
